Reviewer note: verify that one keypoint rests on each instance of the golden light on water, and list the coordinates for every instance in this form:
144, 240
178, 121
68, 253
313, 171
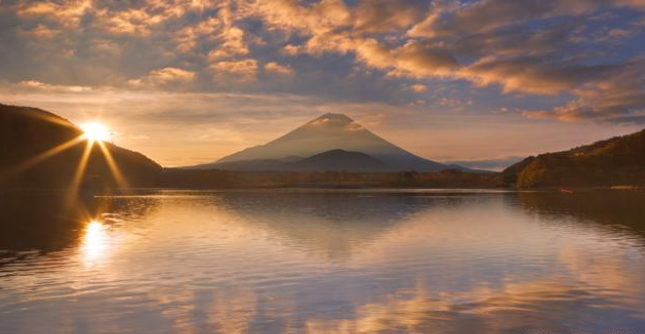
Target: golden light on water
95, 132
95, 243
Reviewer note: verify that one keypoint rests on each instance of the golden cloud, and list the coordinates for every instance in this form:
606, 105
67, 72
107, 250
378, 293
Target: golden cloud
37, 85
418, 88
274, 67
232, 44
41, 31
291, 15
129, 22
68, 13
238, 69
164, 76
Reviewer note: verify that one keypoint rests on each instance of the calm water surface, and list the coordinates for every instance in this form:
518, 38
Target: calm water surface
324, 262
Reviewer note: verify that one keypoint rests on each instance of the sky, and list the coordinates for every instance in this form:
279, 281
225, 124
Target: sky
190, 81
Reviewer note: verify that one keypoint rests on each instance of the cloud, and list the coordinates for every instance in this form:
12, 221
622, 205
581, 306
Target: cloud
382, 16
487, 15
318, 18
618, 98
532, 75
454, 104
413, 59
418, 88
67, 13
41, 31
325, 16
274, 67
188, 38
165, 76
418, 59
232, 44
37, 85
238, 69
617, 35
128, 22
291, 50
513, 42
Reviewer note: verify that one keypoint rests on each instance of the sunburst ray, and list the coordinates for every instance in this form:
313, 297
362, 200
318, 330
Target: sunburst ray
114, 168
80, 172
41, 157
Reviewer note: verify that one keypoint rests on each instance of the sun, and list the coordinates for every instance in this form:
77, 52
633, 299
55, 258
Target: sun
95, 132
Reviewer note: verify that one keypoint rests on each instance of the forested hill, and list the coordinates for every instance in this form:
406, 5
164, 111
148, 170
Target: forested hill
618, 161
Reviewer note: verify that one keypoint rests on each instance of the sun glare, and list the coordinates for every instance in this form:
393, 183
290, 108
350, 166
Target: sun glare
95, 132
95, 242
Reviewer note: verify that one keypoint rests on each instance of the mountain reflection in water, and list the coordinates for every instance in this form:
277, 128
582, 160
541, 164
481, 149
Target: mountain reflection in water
324, 262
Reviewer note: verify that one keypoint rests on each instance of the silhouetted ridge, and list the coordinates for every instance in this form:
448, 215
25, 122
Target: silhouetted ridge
25, 133
341, 160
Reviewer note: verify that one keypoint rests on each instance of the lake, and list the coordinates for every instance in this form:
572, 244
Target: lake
323, 261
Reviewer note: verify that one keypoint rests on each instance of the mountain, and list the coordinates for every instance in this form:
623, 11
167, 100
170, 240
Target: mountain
612, 162
26, 134
326, 133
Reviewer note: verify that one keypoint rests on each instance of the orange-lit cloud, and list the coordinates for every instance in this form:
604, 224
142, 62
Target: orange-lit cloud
418, 88
68, 13
129, 22
274, 67
42, 31
238, 69
33, 84
164, 76
232, 44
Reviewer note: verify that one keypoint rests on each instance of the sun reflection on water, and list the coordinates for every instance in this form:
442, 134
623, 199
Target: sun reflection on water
95, 244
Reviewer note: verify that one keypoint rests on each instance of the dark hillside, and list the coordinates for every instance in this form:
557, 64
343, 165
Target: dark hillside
27, 133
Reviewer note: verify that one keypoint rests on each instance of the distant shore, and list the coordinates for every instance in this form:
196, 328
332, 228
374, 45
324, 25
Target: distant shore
171, 178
